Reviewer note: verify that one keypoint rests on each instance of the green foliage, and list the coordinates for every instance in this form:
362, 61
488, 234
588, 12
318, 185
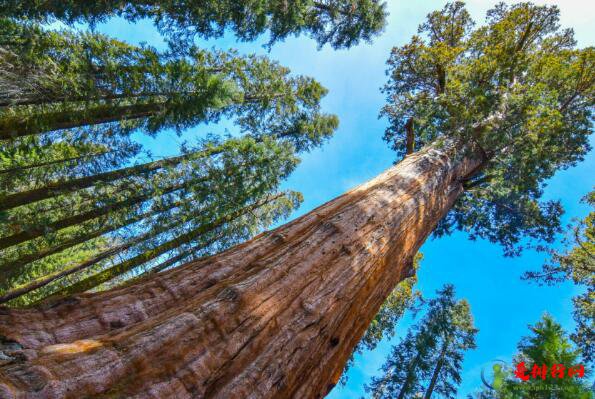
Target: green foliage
78, 208
516, 92
30, 162
214, 191
56, 264
340, 23
98, 80
547, 345
577, 264
430, 356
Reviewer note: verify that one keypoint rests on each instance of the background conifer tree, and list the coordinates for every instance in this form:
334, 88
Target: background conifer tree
547, 345
429, 358
577, 264
340, 23
71, 173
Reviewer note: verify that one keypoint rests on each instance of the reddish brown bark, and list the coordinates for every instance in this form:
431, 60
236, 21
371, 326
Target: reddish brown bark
276, 317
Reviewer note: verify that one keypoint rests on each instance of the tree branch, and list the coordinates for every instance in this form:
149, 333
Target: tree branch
410, 145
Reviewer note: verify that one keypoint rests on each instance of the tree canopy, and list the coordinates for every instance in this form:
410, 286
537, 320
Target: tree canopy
517, 90
340, 23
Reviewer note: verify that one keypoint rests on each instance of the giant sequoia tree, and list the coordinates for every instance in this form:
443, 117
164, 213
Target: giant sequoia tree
491, 111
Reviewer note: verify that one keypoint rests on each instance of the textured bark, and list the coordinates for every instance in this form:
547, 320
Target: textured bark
275, 317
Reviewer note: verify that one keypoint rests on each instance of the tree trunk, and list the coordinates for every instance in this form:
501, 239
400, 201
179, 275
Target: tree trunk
18, 126
436, 371
409, 378
17, 169
60, 187
275, 317
9, 268
37, 231
55, 188
410, 144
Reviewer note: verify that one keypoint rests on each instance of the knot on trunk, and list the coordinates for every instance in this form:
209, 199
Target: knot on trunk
10, 351
230, 294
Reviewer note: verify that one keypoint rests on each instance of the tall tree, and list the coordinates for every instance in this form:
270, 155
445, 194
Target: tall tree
455, 333
129, 87
340, 23
279, 316
517, 90
547, 346
30, 162
429, 358
577, 264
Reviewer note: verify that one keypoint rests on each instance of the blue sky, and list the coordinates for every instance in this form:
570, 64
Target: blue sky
502, 304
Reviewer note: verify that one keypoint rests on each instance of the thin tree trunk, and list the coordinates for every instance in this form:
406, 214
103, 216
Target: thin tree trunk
12, 127
41, 282
437, 370
410, 145
410, 373
55, 188
165, 264
120, 268
45, 98
34, 232
10, 268
54, 162
18, 126
275, 317
129, 264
